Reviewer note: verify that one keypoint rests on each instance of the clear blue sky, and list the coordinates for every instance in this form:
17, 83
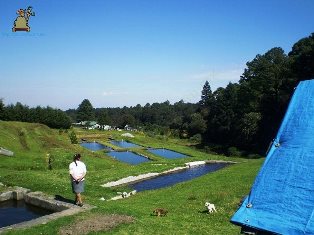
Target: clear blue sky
129, 52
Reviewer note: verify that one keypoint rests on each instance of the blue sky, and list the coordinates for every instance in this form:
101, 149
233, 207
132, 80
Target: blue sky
126, 52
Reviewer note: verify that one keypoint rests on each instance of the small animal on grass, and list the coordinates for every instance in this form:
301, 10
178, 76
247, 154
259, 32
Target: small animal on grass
124, 194
211, 207
160, 212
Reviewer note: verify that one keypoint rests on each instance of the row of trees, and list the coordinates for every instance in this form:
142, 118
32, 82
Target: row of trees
245, 115
162, 118
248, 114
54, 118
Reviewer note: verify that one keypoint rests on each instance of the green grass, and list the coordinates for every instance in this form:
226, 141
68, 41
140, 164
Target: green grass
185, 201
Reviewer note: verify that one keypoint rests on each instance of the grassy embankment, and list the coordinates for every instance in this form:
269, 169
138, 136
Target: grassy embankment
185, 201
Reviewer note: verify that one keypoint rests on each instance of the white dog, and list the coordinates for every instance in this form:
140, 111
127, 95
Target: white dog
125, 194
211, 207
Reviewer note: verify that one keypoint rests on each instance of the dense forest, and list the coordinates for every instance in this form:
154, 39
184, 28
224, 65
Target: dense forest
244, 115
54, 118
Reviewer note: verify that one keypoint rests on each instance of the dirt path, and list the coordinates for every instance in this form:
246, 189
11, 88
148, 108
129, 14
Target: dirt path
95, 223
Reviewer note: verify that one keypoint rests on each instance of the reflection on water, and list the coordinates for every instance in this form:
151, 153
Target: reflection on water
13, 212
167, 153
174, 178
94, 146
123, 144
128, 157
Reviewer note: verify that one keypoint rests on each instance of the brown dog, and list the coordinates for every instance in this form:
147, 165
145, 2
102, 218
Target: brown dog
160, 212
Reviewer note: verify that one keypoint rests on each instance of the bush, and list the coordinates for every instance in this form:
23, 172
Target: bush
209, 150
50, 159
150, 134
161, 137
73, 137
196, 138
234, 152
254, 156
22, 132
175, 133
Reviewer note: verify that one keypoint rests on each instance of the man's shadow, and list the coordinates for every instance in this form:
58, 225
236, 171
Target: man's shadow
63, 199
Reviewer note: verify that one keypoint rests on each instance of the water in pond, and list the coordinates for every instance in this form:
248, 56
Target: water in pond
128, 157
94, 146
13, 212
167, 153
177, 177
123, 144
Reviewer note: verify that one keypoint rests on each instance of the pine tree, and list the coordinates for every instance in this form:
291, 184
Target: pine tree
1, 109
206, 95
73, 137
85, 111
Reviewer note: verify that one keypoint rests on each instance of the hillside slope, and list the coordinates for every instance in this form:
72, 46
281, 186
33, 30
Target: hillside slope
185, 201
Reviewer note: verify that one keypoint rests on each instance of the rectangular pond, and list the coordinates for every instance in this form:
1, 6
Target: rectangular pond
166, 153
128, 157
13, 211
177, 177
95, 146
123, 144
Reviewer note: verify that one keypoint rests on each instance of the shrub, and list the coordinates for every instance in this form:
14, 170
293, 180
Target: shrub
150, 134
196, 138
22, 132
50, 159
254, 156
233, 151
73, 137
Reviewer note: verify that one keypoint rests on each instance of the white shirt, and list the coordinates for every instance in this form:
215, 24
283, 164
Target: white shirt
77, 171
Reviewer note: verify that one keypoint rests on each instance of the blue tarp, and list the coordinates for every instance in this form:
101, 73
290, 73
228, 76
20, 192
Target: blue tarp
281, 199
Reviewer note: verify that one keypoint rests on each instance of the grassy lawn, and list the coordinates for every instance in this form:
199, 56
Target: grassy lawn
185, 201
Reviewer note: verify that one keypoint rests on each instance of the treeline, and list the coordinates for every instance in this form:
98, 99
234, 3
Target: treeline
179, 119
54, 118
244, 115
247, 114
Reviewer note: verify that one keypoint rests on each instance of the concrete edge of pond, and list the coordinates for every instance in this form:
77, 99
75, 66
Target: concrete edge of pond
133, 179
129, 179
6, 152
220, 161
39, 199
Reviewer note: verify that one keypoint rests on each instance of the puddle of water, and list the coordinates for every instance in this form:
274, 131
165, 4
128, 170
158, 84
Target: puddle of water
128, 157
123, 144
177, 177
13, 211
94, 146
166, 153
